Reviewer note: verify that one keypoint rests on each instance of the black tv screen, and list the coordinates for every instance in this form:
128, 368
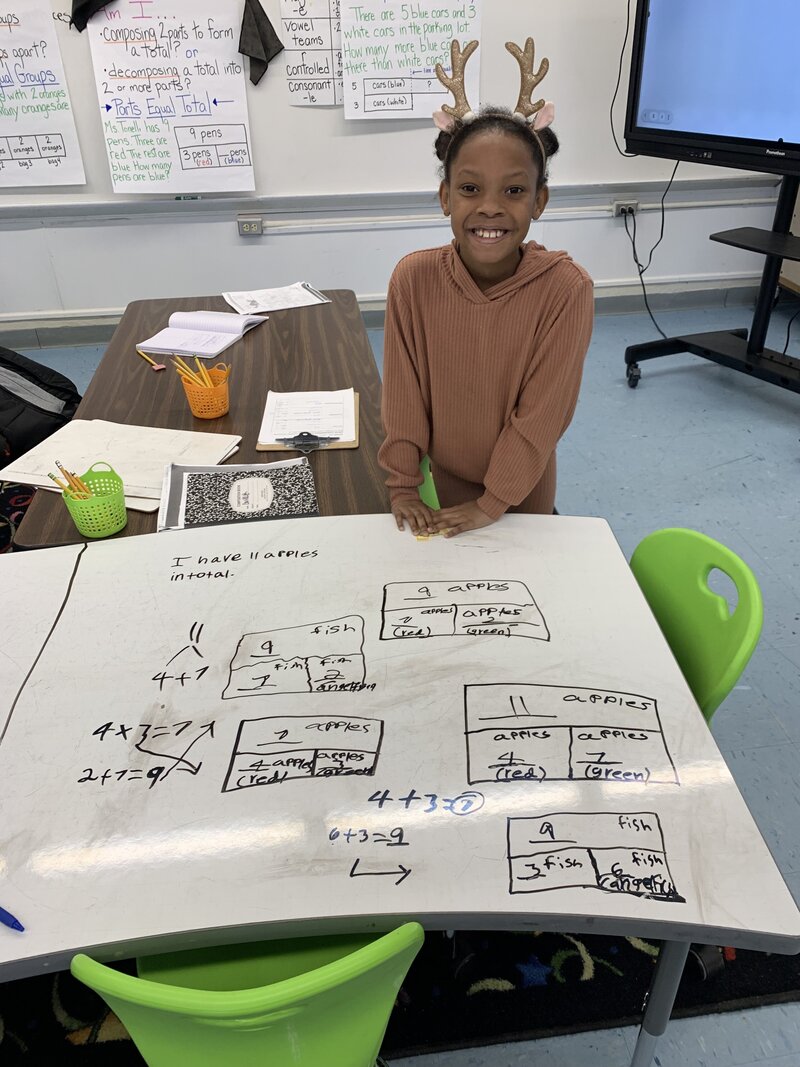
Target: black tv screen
717, 81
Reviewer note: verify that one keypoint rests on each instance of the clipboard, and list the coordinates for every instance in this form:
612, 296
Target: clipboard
320, 445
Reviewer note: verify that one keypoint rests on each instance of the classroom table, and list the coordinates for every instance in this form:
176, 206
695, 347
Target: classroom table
295, 727
320, 347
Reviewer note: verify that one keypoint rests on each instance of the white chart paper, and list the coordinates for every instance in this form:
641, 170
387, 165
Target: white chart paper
312, 37
171, 90
38, 141
390, 51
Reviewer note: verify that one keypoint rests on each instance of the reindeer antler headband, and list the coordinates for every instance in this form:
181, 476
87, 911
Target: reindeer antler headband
537, 114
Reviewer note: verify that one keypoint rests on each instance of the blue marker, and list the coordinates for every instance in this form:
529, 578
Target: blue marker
8, 920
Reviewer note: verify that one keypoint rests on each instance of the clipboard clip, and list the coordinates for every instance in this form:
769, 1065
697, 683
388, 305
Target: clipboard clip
306, 442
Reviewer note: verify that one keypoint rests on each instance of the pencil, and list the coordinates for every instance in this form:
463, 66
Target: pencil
84, 488
204, 373
73, 481
186, 374
144, 355
59, 483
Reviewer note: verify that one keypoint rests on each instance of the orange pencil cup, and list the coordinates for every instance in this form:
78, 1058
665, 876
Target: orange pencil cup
209, 403
103, 513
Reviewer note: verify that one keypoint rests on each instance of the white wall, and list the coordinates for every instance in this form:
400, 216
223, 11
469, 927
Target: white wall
70, 267
344, 201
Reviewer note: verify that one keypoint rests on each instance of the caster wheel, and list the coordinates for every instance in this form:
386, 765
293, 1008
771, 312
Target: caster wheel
633, 374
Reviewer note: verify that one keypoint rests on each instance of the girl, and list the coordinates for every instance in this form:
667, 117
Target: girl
485, 338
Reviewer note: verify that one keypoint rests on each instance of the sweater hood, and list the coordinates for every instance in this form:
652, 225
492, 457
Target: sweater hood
535, 261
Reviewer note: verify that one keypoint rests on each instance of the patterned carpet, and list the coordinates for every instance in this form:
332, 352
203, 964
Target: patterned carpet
473, 989
14, 500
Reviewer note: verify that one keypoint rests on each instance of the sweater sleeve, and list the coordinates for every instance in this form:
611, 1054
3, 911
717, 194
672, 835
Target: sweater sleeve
545, 406
406, 420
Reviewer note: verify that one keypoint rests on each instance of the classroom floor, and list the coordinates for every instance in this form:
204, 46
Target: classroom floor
695, 445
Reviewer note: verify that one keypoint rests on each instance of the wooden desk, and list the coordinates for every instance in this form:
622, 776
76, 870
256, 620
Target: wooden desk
497, 716
321, 347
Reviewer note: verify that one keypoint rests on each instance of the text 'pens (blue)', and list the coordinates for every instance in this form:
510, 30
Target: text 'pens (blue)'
8, 920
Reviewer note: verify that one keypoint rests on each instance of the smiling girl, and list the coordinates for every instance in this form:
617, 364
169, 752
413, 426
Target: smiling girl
485, 338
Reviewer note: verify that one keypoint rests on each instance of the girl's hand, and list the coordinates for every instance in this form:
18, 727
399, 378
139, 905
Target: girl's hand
460, 519
418, 516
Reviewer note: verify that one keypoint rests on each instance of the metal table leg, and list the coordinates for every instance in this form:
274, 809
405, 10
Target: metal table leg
660, 1000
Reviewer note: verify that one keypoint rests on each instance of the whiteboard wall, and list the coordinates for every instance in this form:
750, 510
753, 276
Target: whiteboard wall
324, 721
314, 151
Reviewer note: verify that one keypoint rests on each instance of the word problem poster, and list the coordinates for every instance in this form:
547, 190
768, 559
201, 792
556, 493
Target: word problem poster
171, 90
390, 51
38, 142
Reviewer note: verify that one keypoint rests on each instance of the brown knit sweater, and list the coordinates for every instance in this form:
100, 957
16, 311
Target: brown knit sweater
484, 382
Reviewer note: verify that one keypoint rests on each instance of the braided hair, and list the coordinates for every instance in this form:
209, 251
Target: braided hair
543, 144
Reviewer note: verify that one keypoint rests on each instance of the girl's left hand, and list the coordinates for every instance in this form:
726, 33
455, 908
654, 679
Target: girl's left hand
460, 519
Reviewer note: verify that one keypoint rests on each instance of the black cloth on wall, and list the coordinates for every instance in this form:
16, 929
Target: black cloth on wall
82, 11
258, 40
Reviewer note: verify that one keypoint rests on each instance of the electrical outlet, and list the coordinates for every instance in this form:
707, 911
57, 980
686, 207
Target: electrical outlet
250, 225
625, 207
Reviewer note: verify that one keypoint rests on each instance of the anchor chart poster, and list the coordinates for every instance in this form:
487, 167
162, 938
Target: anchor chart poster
38, 142
171, 92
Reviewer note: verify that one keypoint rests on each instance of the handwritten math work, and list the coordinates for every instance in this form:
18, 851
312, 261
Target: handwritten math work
252, 712
38, 141
390, 51
171, 92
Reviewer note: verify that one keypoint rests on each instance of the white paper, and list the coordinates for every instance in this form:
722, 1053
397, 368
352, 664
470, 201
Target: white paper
312, 38
300, 294
137, 453
390, 51
38, 141
171, 88
326, 414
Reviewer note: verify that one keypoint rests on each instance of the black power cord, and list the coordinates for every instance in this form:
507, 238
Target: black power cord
626, 155
789, 331
643, 267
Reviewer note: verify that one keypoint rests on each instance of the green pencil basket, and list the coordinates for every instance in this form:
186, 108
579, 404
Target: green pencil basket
103, 514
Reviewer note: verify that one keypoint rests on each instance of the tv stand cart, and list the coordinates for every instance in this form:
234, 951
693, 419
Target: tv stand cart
735, 348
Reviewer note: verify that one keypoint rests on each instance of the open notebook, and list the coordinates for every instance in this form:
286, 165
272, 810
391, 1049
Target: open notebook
200, 333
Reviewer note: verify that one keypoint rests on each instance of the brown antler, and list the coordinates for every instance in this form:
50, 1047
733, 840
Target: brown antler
455, 85
525, 105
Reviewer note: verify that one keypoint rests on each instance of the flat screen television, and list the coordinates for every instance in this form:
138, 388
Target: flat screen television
717, 81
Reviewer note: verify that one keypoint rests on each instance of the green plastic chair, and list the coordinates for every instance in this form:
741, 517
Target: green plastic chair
427, 491
309, 1001
711, 644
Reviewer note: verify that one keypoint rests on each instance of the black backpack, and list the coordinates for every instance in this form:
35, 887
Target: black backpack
34, 402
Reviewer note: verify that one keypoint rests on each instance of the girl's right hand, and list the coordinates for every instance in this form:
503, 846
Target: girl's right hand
418, 516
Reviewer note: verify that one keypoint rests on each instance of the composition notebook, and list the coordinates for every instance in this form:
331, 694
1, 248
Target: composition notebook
200, 333
330, 415
214, 495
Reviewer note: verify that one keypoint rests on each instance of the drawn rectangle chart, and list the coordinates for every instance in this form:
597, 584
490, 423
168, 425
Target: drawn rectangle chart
213, 146
530, 732
318, 657
613, 852
487, 607
276, 748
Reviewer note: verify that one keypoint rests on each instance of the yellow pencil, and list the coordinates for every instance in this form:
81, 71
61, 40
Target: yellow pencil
204, 373
84, 488
59, 483
187, 375
185, 366
73, 481
144, 355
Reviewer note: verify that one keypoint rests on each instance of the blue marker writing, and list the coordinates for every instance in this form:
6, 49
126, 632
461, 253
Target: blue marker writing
8, 920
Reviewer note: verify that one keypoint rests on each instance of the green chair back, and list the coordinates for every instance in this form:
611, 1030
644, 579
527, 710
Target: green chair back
427, 491
711, 644
298, 1003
